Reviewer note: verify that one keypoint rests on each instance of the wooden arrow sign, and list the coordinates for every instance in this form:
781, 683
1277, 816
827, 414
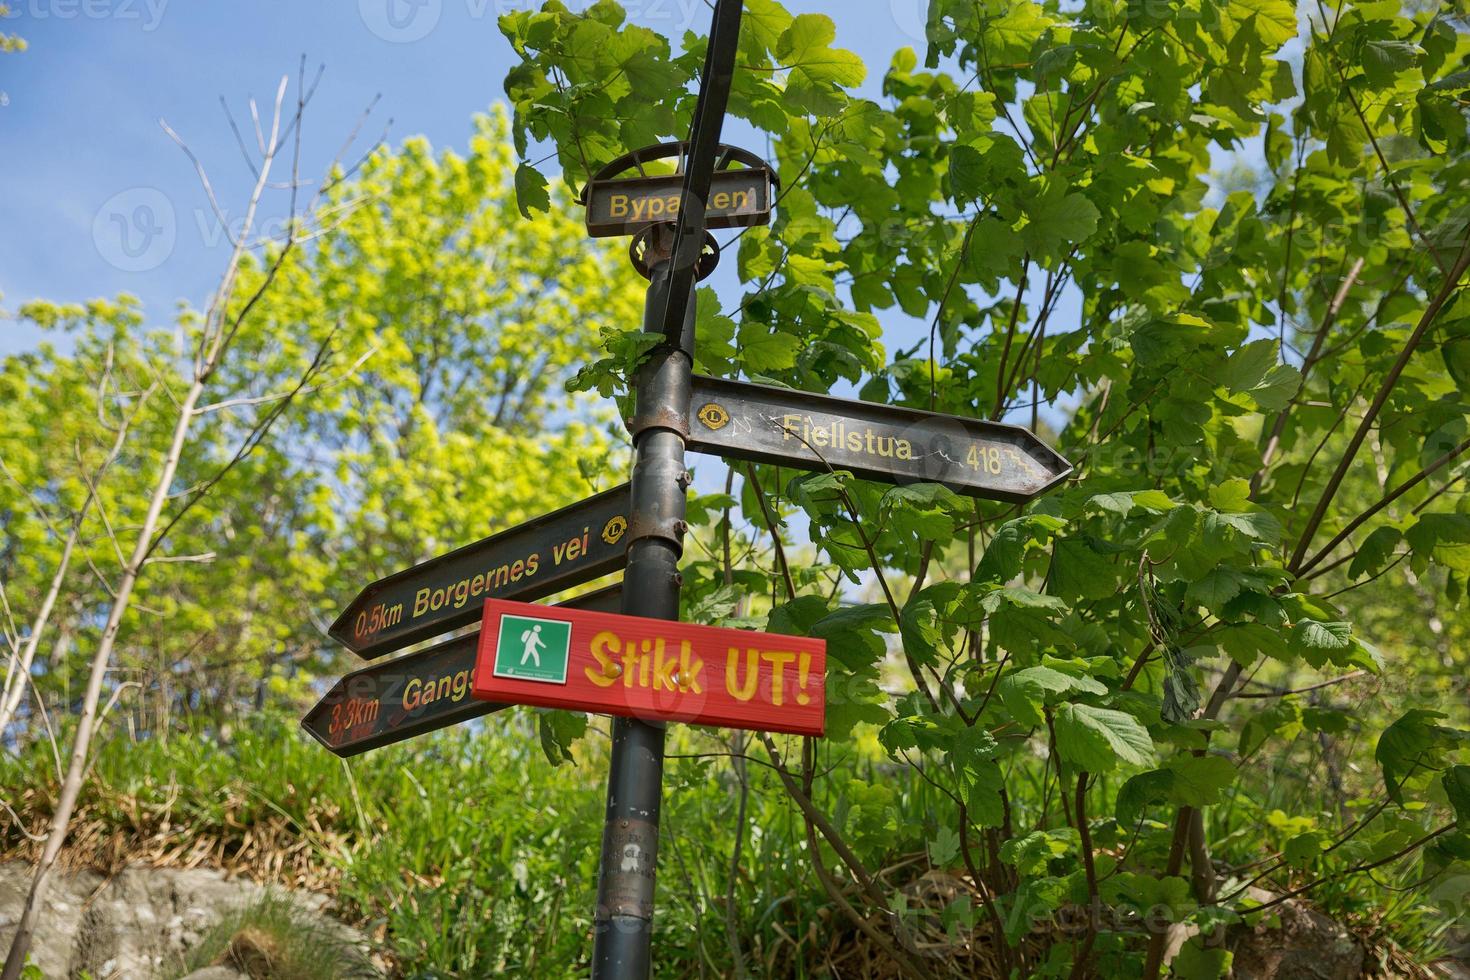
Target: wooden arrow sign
551, 554
738, 420
651, 669
420, 693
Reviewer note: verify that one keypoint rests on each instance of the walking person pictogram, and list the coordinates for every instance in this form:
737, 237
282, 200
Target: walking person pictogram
531, 645
533, 649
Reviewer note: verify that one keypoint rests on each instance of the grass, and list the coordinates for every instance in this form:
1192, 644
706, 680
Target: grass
466, 854
273, 939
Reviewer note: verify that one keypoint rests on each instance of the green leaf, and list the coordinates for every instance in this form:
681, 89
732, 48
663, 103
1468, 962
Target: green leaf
1456, 354
1056, 218
1231, 496
1194, 962
1411, 747
1218, 587
1025, 691
1199, 780
1442, 538
762, 351
1313, 635
805, 48
1259, 525
1375, 551
531, 191
1248, 366
1457, 788
559, 730
967, 173
1304, 850
944, 847
1255, 370
1274, 21
1097, 739
1142, 791
1384, 60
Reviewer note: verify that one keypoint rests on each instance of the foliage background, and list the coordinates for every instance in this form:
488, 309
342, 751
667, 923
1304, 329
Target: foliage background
1213, 251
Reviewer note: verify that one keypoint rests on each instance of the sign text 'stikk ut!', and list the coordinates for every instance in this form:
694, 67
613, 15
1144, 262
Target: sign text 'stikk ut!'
651, 669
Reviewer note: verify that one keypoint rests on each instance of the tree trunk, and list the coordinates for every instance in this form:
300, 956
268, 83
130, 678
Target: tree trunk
71, 785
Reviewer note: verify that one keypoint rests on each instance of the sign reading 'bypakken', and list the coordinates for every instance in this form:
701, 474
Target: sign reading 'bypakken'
763, 424
559, 551
420, 693
651, 669
738, 198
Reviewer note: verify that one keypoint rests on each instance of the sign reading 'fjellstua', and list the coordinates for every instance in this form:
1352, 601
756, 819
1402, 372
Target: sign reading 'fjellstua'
763, 424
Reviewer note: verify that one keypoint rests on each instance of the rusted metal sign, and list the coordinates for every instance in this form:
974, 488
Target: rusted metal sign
550, 554
763, 424
422, 692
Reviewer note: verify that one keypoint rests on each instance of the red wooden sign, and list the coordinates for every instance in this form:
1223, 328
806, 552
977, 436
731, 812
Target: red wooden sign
651, 669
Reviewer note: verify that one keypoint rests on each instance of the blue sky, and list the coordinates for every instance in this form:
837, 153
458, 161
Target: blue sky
96, 198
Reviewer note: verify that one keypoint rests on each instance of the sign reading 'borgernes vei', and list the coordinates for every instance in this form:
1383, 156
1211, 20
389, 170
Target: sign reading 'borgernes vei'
550, 554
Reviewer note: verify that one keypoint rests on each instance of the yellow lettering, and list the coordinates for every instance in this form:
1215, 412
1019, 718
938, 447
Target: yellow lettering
619, 204
742, 691
743, 199
411, 694
421, 602
722, 200
689, 673
663, 670
788, 425
778, 659
604, 646
905, 450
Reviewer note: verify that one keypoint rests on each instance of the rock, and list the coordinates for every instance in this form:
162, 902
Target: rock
216, 973
1306, 945
136, 924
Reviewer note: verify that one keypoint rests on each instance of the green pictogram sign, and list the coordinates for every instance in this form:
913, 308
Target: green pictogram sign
533, 649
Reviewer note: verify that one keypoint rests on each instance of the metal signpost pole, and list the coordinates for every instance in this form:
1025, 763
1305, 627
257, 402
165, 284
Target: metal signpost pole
622, 944
622, 947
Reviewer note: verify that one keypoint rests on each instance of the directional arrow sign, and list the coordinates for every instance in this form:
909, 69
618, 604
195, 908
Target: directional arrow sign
738, 420
539, 558
651, 669
419, 693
